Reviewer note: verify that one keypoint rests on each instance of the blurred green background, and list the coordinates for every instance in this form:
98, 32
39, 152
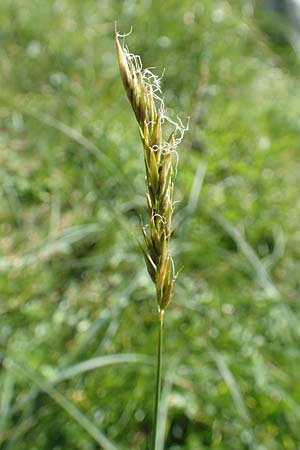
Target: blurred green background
73, 286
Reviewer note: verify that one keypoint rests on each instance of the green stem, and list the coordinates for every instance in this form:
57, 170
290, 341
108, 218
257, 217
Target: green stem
158, 380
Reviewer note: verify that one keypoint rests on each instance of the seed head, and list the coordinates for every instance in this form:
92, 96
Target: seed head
144, 94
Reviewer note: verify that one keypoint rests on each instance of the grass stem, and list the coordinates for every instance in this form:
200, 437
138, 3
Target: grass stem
158, 381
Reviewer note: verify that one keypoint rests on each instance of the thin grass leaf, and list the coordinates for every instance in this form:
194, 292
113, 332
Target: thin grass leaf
262, 274
64, 403
76, 136
14, 434
96, 363
7, 392
234, 389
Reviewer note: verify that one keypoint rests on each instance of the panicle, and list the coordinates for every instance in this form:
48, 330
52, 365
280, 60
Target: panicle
143, 91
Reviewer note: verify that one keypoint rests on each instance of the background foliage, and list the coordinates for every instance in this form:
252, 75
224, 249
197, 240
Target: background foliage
72, 281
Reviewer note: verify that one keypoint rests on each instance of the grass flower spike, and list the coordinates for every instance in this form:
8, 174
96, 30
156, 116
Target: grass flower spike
143, 91
160, 156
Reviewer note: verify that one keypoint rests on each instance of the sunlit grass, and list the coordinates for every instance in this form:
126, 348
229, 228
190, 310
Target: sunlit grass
72, 286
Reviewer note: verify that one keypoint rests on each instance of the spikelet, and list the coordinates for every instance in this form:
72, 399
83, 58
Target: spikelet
143, 91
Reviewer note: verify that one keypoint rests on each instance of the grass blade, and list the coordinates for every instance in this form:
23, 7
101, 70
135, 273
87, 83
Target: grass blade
64, 403
100, 361
234, 389
6, 399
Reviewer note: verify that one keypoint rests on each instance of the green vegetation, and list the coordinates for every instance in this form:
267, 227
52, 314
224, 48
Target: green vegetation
78, 328
161, 160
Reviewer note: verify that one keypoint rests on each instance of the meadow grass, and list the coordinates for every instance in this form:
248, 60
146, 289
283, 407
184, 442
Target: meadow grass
161, 158
72, 286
